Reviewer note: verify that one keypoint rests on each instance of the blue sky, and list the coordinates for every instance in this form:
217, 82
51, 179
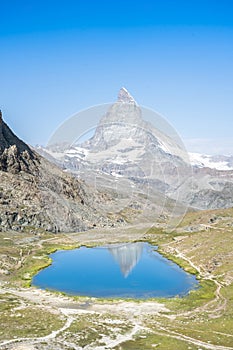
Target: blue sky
174, 56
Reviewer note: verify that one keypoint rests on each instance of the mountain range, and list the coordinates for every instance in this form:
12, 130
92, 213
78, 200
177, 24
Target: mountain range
218, 162
130, 170
146, 160
35, 194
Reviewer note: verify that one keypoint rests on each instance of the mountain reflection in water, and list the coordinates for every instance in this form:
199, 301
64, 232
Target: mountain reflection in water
102, 271
127, 256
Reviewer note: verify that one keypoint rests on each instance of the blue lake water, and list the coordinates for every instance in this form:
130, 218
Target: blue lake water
132, 270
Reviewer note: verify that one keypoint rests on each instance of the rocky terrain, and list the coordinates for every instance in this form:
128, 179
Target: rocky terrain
37, 195
134, 149
33, 319
130, 159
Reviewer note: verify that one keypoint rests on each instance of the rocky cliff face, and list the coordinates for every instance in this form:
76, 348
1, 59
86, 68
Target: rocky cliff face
15, 155
130, 157
210, 189
122, 122
134, 158
35, 194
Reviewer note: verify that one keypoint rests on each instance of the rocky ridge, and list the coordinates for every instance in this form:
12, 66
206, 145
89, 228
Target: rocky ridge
36, 194
15, 155
125, 146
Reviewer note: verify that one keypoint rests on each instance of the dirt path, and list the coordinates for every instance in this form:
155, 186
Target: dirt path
220, 300
35, 340
178, 336
120, 338
70, 309
135, 312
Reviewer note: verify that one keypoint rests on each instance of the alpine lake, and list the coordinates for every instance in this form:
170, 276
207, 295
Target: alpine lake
129, 270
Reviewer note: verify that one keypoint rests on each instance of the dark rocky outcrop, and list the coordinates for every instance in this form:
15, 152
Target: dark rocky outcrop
15, 155
35, 194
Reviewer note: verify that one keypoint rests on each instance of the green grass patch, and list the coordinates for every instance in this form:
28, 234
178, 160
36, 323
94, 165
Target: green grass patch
194, 299
154, 341
29, 322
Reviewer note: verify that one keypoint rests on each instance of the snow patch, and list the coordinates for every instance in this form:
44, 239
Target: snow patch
204, 160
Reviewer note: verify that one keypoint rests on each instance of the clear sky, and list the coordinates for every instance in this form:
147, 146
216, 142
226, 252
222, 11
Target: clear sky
175, 56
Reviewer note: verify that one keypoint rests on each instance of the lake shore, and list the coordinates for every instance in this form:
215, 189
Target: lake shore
134, 322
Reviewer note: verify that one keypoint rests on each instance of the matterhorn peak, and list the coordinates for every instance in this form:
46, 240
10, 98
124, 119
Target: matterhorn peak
125, 97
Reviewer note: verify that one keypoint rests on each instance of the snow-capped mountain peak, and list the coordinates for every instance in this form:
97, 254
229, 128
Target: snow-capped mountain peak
125, 97
213, 162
